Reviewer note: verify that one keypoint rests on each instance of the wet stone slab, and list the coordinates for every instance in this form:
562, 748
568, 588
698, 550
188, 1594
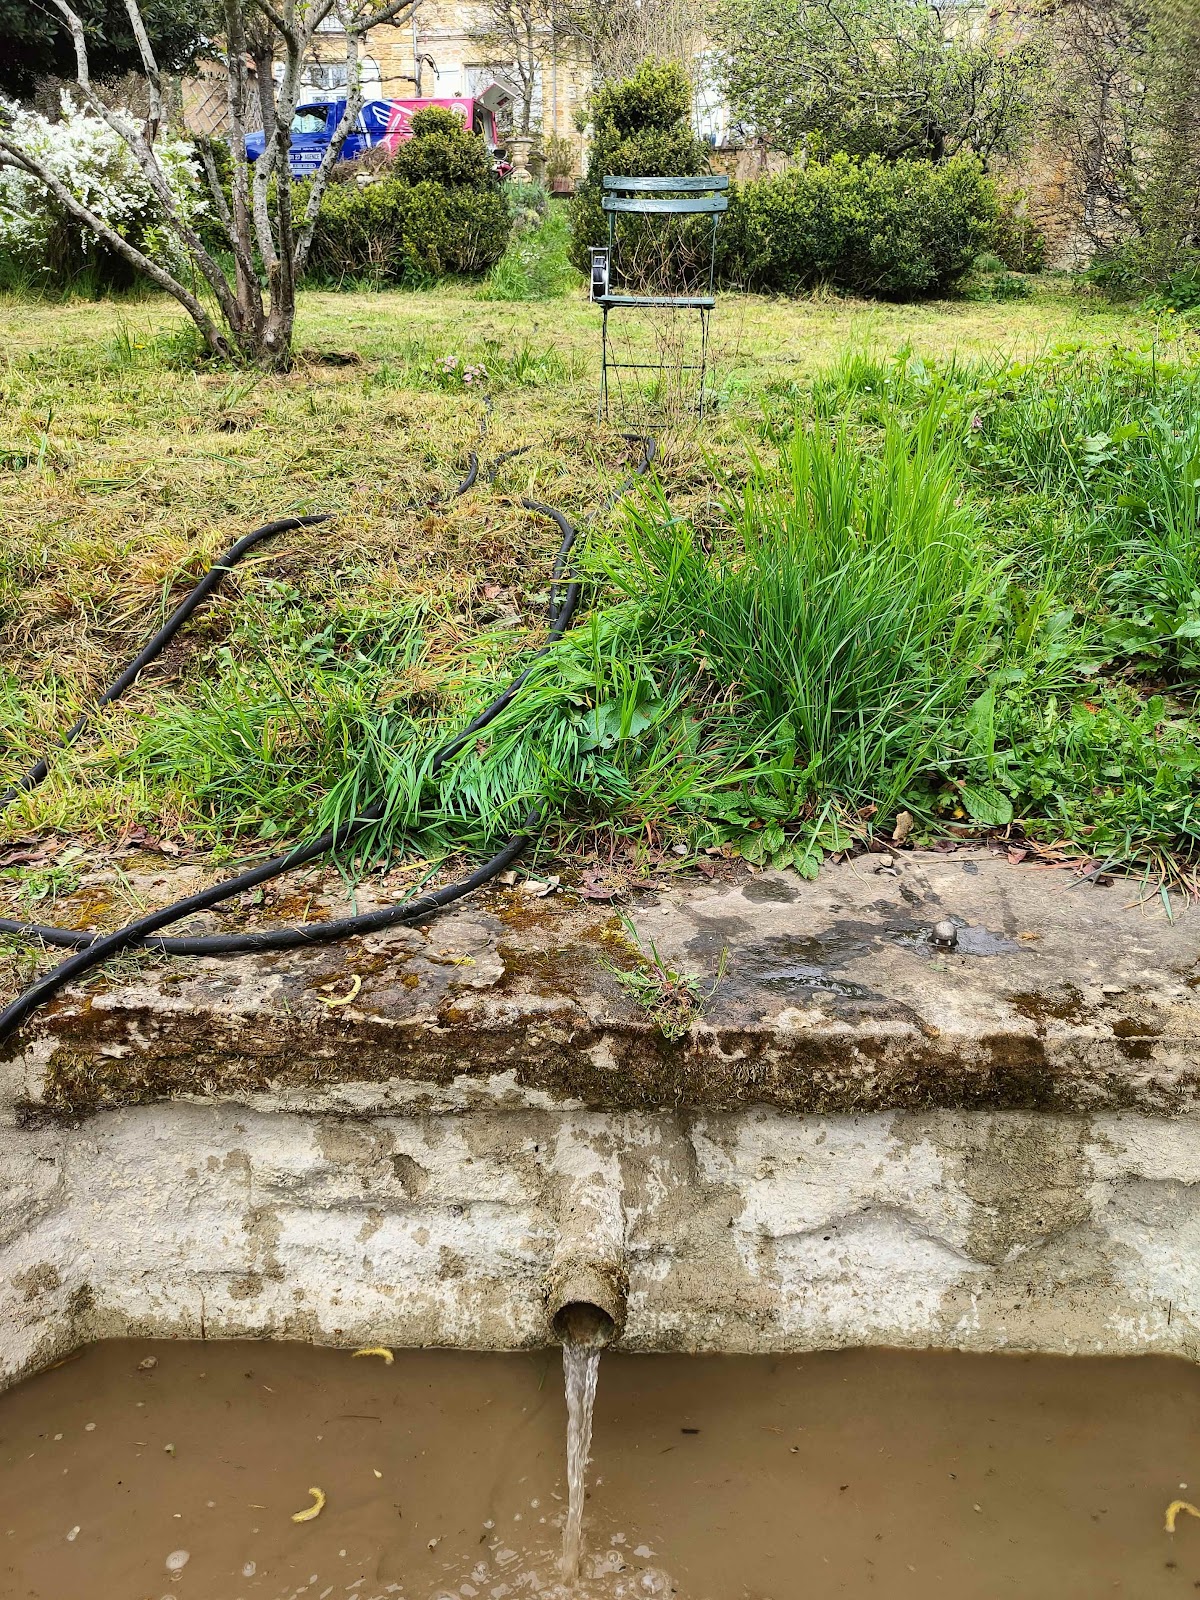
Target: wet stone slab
834, 996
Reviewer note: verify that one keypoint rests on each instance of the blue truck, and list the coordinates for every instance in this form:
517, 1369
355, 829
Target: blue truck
386, 122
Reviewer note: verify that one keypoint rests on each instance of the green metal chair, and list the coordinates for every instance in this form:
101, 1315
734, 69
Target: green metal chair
650, 198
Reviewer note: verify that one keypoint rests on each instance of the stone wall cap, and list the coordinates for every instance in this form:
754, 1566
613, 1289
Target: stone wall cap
1037, 991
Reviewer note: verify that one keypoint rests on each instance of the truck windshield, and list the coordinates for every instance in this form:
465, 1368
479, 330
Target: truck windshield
309, 119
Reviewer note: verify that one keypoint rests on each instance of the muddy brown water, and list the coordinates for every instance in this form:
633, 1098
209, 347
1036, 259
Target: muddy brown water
854, 1474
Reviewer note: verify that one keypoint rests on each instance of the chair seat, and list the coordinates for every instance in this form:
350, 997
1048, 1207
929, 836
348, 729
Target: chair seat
684, 302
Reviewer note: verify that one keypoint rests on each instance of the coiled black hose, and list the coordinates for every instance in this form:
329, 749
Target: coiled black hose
93, 948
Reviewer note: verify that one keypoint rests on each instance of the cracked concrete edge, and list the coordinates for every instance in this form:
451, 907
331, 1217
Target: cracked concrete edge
833, 1000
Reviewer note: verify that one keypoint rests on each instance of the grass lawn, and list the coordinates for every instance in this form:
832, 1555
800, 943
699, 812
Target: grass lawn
935, 561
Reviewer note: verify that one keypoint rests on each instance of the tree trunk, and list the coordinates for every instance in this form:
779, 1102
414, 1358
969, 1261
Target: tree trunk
275, 346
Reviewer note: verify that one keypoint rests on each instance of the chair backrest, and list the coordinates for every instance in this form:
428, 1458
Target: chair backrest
666, 196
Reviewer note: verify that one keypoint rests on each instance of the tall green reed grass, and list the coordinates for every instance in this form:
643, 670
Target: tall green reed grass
850, 607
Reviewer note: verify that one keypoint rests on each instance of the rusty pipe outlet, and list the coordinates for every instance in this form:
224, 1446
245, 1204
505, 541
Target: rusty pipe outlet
585, 1301
588, 1280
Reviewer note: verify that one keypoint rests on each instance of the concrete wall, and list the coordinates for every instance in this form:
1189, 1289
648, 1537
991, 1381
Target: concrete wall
746, 1230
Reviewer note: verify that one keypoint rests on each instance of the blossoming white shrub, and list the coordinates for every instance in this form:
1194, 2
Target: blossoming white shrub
97, 166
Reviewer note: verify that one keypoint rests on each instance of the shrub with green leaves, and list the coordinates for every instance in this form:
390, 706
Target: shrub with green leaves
642, 130
434, 209
1181, 292
443, 150
393, 232
898, 230
1016, 237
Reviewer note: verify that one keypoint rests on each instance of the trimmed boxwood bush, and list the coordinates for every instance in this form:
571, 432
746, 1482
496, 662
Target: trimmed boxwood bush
434, 208
389, 231
898, 230
442, 150
642, 130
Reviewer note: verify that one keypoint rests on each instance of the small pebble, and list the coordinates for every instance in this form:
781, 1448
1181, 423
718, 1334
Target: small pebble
148, 1365
89, 1427
73, 1535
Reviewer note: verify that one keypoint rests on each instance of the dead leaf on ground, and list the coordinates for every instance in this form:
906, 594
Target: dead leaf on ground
593, 886
539, 888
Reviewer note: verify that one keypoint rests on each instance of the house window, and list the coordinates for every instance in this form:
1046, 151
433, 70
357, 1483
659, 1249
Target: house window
325, 79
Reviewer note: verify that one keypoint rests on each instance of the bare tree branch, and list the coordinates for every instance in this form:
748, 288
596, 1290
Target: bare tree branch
341, 133
150, 67
387, 13
82, 71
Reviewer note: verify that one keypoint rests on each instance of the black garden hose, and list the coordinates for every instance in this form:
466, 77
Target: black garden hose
93, 948
209, 583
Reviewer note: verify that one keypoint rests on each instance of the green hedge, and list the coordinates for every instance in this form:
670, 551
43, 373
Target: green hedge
389, 231
898, 229
434, 208
642, 130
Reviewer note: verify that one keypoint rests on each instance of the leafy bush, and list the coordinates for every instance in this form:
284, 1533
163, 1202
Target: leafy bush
443, 150
528, 204
1016, 238
559, 152
642, 130
436, 208
897, 229
1181, 292
40, 241
393, 232
1131, 272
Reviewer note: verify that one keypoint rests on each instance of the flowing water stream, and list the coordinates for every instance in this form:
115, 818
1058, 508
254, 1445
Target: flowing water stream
581, 1368
173, 1471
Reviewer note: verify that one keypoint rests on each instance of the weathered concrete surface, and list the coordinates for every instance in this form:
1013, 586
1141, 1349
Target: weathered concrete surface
1059, 996
748, 1230
864, 1140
